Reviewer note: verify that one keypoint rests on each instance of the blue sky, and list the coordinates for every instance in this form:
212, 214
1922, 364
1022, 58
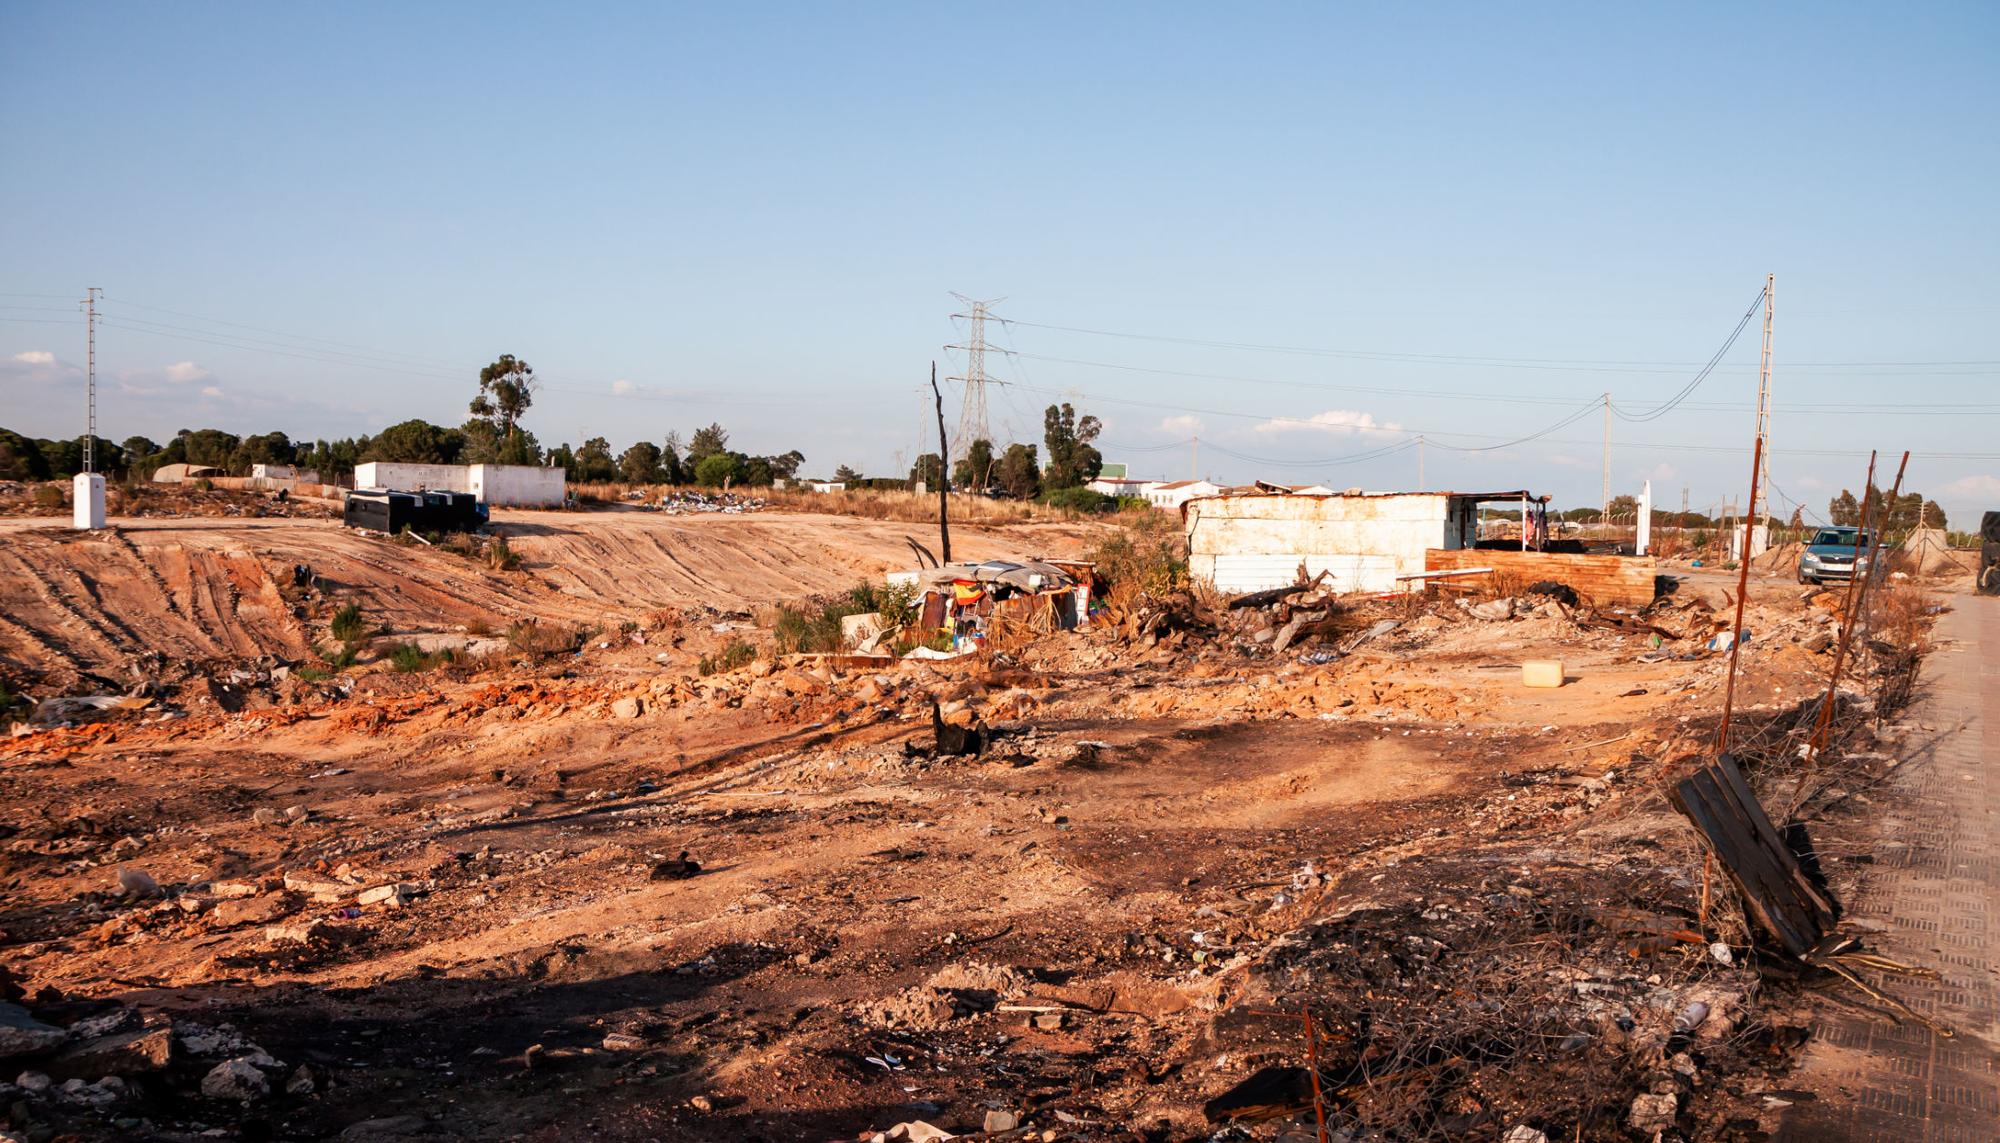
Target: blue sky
756, 214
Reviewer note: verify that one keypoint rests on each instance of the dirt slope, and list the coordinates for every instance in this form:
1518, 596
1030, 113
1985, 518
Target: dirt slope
76, 606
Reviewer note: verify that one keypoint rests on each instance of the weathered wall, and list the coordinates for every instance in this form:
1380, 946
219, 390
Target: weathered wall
411, 477
1623, 580
1248, 543
517, 485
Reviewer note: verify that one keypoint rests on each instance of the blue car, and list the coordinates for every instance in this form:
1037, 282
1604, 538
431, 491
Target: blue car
1835, 554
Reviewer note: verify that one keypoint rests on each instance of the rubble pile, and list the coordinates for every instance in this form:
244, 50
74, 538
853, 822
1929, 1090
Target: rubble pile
691, 501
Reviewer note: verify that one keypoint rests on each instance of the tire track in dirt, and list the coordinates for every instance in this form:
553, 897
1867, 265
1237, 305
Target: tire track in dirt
65, 613
43, 657
148, 573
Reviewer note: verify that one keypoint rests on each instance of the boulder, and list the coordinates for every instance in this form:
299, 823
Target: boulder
23, 1035
237, 1079
627, 708
123, 1054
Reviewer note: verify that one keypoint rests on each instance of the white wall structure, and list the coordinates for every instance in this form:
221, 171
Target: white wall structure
1122, 486
1760, 540
517, 485
87, 501
274, 472
496, 485
1253, 541
412, 477
1645, 537
1175, 493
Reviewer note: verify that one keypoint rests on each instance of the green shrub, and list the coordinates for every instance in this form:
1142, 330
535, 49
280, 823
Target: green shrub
1149, 557
1079, 499
736, 654
347, 625
815, 626
408, 658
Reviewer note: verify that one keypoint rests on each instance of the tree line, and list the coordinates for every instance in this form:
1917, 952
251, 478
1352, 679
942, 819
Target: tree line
1017, 471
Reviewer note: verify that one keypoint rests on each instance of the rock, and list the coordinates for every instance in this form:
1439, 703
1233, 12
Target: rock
1652, 1113
1049, 1021
627, 708
1493, 609
1008, 1121
303, 1081
230, 890
137, 883
23, 1035
1524, 1134
303, 933
297, 813
268, 815
250, 911
702, 1103
388, 896
323, 890
34, 1083
236, 1079
622, 1042
101, 1094
915, 1131
123, 1054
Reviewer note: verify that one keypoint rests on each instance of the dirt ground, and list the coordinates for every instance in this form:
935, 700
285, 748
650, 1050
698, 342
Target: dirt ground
444, 903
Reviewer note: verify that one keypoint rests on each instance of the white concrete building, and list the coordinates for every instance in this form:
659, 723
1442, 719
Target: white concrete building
1121, 486
496, 485
1250, 541
1175, 493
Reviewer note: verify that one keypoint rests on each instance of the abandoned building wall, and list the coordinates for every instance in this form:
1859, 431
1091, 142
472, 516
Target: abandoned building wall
1253, 542
517, 485
409, 477
1625, 581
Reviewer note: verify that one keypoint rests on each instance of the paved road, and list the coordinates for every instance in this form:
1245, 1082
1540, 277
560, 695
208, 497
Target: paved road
1939, 897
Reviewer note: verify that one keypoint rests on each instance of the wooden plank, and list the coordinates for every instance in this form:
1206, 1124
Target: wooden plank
1626, 581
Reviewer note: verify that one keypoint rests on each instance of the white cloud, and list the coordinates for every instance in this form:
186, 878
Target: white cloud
211, 391
1983, 488
621, 387
1182, 424
1341, 422
36, 357
183, 372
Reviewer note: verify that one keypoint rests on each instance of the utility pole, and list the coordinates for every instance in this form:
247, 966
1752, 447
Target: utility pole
1764, 380
1604, 509
944, 479
90, 380
972, 413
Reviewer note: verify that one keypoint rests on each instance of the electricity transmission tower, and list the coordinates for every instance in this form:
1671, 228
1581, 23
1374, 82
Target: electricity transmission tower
972, 410
89, 306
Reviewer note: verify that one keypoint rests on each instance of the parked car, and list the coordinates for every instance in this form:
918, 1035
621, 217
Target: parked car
1835, 554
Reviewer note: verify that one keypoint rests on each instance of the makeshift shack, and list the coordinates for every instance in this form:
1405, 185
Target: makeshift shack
1261, 537
967, 601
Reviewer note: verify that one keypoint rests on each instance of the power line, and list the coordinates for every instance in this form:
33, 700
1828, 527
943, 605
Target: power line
1585, 364
1667, 406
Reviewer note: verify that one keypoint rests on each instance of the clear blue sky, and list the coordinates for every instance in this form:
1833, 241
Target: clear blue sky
756, 213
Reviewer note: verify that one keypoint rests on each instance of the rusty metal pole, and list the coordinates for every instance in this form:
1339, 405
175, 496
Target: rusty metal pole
1857, 599
1742, 591
1823, 723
